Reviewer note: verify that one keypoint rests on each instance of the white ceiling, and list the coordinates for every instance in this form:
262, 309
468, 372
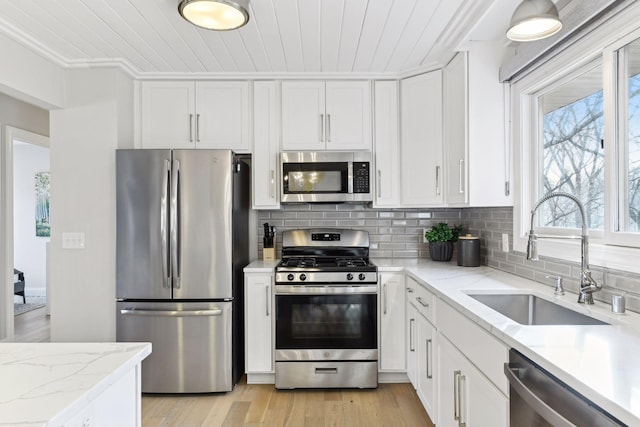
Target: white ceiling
149, 39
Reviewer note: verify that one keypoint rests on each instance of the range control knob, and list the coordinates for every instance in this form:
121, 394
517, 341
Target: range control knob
349, 276
303, 277
290, 277
362, 276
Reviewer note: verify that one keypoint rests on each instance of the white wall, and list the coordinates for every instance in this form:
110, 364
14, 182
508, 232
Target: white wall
84, 137
29, 253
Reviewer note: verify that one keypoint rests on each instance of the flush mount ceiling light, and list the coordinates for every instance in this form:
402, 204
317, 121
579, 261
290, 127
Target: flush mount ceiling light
534, 20
219, 15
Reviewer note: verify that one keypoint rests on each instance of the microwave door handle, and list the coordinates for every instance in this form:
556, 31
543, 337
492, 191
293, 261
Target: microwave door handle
350, 177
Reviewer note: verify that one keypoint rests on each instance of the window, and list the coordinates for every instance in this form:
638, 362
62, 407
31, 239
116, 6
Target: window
572, 116
628, 62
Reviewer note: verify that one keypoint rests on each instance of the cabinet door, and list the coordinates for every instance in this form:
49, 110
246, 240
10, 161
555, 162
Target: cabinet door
425, 365
258, 324
465, 396
455, 130
168, 114
264, 167
348, 116
303, 116
421, 141
392, 320
222, 115
411, 344
387, 145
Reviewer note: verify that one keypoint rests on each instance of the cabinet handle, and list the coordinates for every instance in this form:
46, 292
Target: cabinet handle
384, 299
190, 127
268, 299
410, 290
437, 180
411, 323
197, 127
321, 129
273, 184
421, 301
328, 127
461, 169
379, 183
429, 352
456, 396
462, 409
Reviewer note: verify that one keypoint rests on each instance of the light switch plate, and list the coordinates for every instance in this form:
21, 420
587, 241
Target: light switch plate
505, 242
72, 240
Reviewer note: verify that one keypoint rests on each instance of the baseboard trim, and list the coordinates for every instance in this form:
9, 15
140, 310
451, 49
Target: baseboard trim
392, 377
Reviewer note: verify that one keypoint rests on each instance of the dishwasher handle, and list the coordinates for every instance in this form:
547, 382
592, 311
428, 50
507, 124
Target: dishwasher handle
541, 408
171, 313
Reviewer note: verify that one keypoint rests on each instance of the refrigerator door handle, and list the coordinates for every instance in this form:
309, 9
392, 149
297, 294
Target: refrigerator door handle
171, 313
175, 225
164, 226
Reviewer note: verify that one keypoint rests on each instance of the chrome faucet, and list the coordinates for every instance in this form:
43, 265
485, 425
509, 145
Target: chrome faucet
588, 284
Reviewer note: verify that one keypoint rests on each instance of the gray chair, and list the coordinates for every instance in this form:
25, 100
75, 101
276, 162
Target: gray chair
18, 286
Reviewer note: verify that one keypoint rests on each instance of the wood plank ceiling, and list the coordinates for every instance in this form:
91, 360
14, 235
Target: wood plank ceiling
149, 38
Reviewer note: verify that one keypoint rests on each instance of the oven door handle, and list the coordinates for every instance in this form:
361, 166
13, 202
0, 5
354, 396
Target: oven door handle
323, 290
538, 405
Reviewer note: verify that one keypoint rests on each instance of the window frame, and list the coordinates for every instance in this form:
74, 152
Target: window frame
611, 250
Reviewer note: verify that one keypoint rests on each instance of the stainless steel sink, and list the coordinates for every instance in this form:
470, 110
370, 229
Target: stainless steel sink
528, 309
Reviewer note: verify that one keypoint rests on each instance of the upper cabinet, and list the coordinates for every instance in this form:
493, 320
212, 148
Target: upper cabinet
195, 115
455, 131
475, 125
333, 115
421, 154
264, 166
386, 144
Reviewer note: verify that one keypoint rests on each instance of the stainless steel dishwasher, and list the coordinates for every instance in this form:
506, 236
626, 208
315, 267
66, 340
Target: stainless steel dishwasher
538, 399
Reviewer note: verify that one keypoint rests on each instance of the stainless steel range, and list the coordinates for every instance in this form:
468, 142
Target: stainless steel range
326, 310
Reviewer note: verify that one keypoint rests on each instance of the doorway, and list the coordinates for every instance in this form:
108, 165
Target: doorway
26, 215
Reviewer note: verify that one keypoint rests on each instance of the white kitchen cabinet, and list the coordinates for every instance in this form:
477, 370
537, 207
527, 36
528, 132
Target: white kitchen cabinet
465, 396
412, 344
425, 366
258, 313
264, 165
320, 115
195, 115
392, 322
455, 131
421, 153
386, 145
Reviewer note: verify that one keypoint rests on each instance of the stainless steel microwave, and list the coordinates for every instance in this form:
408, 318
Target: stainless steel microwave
326, 177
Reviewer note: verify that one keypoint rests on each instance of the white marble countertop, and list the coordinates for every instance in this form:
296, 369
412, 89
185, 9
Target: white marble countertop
44, 384
600, 362
259, 266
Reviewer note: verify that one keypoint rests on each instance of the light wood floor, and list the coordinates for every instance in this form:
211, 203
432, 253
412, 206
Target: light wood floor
32, 326
262, 405
394, 405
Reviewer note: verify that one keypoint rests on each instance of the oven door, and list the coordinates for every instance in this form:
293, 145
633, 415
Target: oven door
306, 323
316, 181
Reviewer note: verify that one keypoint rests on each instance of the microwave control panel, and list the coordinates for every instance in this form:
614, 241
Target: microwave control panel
361, 177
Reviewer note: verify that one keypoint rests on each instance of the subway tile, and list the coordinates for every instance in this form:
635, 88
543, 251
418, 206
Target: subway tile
324, 223
337, 215
395, 214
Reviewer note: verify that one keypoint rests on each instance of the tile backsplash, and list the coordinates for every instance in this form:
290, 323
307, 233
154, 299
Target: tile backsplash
397, 233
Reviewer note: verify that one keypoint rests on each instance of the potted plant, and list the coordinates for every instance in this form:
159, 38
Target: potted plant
441, 238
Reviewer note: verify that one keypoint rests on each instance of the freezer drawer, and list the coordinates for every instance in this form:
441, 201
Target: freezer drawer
191, 344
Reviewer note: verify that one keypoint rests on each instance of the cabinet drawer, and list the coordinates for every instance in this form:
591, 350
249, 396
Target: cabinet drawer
487, 353
421, 298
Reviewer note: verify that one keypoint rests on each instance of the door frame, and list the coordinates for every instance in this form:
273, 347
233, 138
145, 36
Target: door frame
6, 220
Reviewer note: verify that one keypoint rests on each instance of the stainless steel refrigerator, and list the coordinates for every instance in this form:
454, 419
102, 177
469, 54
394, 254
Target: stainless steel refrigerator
182, 241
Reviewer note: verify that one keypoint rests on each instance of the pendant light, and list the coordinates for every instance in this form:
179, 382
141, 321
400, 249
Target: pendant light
534, 20
219, 15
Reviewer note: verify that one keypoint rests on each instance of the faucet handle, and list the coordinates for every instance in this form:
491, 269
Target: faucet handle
559, 288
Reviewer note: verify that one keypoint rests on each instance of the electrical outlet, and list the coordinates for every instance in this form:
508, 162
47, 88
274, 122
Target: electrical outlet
424, 239
505, 242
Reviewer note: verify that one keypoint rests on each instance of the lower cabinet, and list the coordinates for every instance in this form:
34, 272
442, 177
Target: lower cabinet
258, 312
392, 318
465, 397
425, 366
